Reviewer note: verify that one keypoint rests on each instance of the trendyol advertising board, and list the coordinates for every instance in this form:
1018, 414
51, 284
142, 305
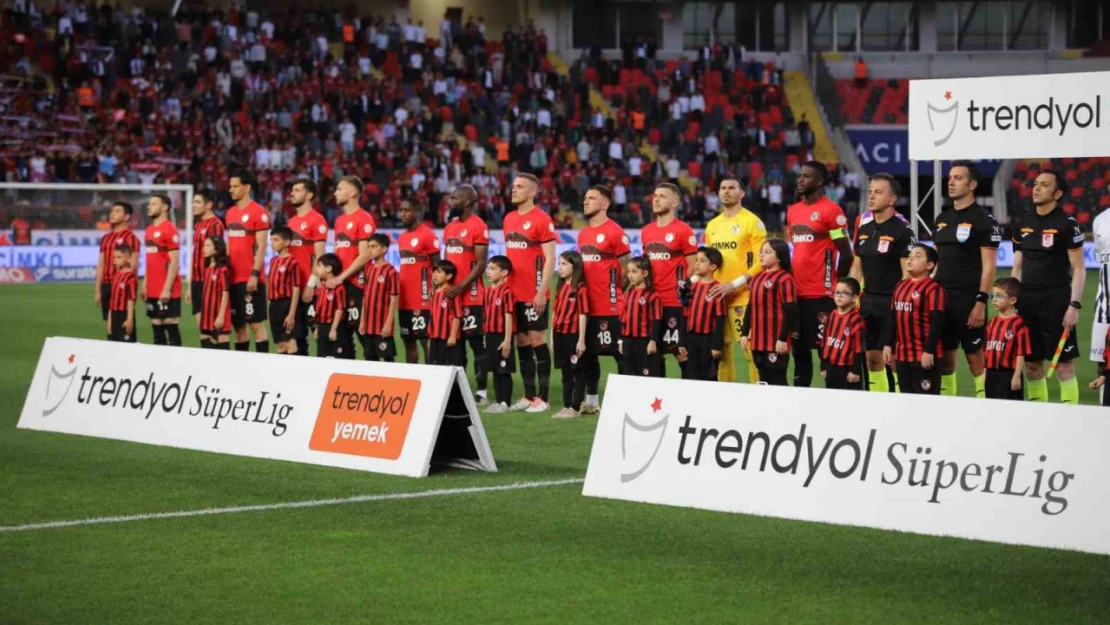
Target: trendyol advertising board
1013, 472
380, 417
1044, 116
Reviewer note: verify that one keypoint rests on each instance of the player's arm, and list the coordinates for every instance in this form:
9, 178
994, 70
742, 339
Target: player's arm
540, 303
481, 253
319, 248
790, 315
717, 337
171, 275
224, 295
844, 252
337, 318
857, 269
1078, 281
757, 236
507, 342
456, 324
978, 315
291, 318
260, 241
889, 336
99, 280
356, 265
390, 315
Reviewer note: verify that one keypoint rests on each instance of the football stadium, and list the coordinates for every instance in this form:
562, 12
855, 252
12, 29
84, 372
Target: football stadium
554, 311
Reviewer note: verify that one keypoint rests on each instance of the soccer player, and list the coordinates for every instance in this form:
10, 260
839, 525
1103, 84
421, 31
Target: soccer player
285, 291
913, 336
119, 219
498, 326
705, 320
205, 224
822, 253
605, 254
738, 235
1100, 325
1100, 381
568, 325
641, 320
1007, 343
446, 323
122, 294
215, 310
379, 303
671, 246
330, 307
883, 243
530, 247
419, 249
353, 230
248, 227
966, 237
310, 235
466, 243
162, 284
772, 314
1048, 259
842, 355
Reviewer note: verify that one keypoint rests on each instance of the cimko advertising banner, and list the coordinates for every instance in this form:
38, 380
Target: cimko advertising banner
1011, 472
370, 416
1042, 116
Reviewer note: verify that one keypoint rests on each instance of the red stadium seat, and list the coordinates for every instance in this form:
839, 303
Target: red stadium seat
1083, 218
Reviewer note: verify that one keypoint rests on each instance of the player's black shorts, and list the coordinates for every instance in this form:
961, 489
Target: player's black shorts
1043, 311
117, 333
495, 362
875, 310
472, 319
244, 310
414, 324
527, 319
771, 366
837, 377
957, 306
566, 349
105, 299
377, 347
602, 335
674, 329
196, 291
157, 310
279, 310
327, 348
636, 360
997, 385
439, 353
700, 363
915, 380
812, 314
354, 306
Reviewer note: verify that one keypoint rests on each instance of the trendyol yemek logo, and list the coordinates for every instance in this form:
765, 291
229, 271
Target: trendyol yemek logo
63, 378
1051, 114
660, 426
951, 110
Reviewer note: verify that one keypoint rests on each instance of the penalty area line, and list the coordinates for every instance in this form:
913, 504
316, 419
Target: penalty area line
313, 503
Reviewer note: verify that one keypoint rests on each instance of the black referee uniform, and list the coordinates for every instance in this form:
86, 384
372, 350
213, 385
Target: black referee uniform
960, 236
1044, 242
880, 248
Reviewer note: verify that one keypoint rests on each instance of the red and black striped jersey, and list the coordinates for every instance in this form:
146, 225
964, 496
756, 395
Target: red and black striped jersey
444, 311
108, 244
382, 286
217, 280
330, 302
284, 277
498, 301
843, 338
770, 292
569, 304
913, 303
702, 311
641, 310
125, 288
202, 230
1007, 338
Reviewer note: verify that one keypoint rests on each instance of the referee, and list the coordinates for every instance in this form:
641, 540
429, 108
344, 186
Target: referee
966, 237
1048, 259
883, 243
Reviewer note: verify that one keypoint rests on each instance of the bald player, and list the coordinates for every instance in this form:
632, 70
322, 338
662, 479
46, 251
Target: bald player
466, 243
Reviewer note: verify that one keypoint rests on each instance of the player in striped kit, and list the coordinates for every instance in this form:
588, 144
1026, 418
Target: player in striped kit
285, 292
1100, 325
119, 218
1007, 343
379, 303
706, 319
205, 224
842, 355
772, 313
123, 292
641, 317
913, 341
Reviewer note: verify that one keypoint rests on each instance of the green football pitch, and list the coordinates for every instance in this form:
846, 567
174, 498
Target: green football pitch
465, 552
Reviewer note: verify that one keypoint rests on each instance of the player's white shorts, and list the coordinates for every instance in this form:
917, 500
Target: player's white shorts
1101, 322
1098, 340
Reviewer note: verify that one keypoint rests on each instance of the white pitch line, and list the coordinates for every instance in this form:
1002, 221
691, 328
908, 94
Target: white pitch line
314, 503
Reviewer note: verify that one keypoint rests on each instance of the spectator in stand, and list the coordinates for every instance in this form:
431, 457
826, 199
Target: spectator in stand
861, 73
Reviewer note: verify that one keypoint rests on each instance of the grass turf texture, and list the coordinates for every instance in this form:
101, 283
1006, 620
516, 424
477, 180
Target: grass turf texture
535, 555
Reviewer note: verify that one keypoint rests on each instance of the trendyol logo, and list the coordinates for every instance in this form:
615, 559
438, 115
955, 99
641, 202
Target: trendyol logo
1050, 114
950, 108
660, 426
62, 378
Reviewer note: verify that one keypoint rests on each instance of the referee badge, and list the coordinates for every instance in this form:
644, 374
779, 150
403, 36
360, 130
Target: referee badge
1047, 239
884, 246
963, 232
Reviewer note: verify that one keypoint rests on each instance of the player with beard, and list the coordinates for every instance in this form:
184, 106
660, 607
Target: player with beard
605, 255
353, 230
530, 247
248, 235
205, 224
119, 218
822, 255
310, 235
466, 244
419, 249
738, 235
966, 237
672, 247
162, 284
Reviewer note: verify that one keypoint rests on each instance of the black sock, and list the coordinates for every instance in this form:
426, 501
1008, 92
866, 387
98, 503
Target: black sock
591, 369
478, 346
302, 347
205, 344
262, 347
568, 386
527, 360
173, 334
160, 335
226, 346
579, 388
803, 365
242, 346
543, 368
503, 385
